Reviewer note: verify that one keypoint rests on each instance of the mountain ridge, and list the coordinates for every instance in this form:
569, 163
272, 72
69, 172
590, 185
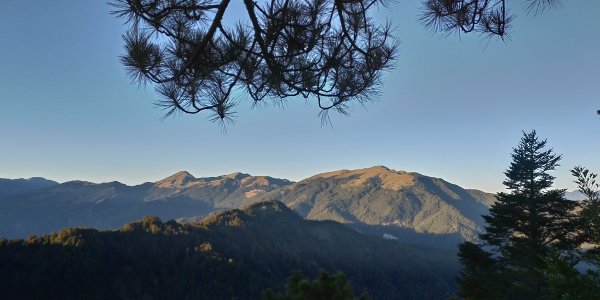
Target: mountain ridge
109, 205
376, 200
21, 185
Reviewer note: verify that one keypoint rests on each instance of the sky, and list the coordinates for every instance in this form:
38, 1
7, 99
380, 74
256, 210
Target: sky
453, 107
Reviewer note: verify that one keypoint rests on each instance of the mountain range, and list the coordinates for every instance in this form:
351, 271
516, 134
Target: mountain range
18, 186
377, 200
113, 204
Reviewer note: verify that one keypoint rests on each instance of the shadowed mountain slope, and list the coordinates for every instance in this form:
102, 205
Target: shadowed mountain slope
233, 254
19, 186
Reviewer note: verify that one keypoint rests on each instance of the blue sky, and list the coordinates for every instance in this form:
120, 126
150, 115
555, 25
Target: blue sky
452, 108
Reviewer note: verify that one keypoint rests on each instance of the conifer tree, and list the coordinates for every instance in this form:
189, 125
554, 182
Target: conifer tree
590, 213
524, 225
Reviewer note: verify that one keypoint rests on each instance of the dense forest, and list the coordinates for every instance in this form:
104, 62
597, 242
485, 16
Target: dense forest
236, 254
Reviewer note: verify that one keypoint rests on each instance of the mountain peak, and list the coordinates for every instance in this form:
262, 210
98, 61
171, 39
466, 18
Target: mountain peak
177, 180
269, 207
236, 175
388, 178
382, 168
265, 213
183, 174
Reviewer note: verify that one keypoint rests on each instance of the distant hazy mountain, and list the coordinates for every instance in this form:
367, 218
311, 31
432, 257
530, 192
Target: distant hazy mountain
231, 255
19, 186
397, 204
575, 195
110, 205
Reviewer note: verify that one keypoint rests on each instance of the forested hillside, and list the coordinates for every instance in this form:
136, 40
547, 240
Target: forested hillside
237, 253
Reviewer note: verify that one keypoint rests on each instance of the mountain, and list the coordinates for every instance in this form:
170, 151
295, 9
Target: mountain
19, 186
394, 204
222, 192
111, 205
575, 195
232, 254
486, 199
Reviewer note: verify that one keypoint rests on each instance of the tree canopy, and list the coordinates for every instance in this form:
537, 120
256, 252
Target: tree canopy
330, 52
326, 287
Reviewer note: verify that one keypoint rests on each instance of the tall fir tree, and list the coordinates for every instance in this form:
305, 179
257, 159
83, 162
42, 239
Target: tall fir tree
524, 225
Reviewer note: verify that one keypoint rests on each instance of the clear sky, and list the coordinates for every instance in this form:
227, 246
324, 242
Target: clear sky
452, 108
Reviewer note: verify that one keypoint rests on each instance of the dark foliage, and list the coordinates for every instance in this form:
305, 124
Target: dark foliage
479, 278
326, 287
586, 183
568, 283
565, 280
238, 253
330, 51
487, 17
